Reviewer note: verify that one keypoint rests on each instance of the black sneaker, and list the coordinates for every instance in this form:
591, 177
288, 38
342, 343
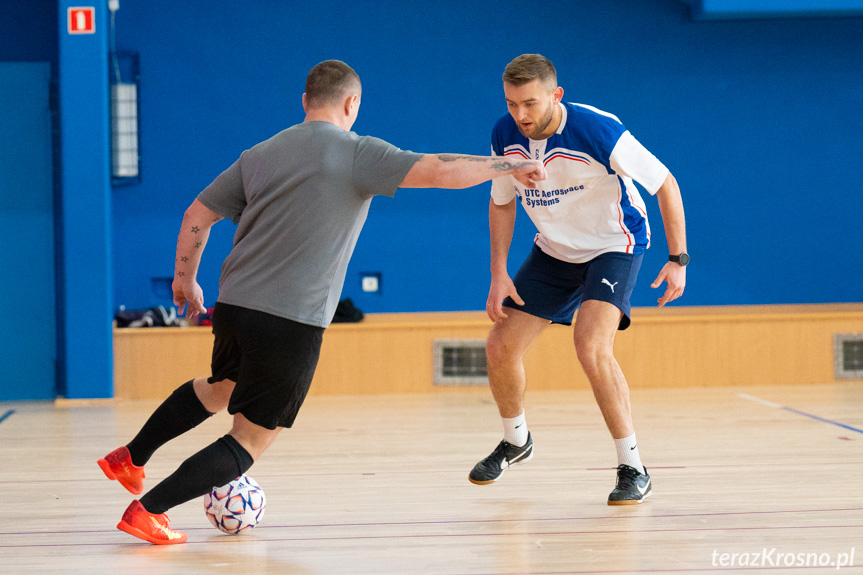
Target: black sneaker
632, 487
504, 456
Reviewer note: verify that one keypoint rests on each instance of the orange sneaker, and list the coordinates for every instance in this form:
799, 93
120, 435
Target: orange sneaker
144, 525
118, 465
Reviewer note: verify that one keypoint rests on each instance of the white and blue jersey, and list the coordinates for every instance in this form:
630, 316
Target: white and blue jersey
589, 204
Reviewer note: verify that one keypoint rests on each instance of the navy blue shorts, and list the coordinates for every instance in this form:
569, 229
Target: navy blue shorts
554, 289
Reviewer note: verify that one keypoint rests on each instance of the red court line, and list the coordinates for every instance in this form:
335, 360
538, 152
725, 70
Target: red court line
454, 470
480, 521
454, 535
440, 472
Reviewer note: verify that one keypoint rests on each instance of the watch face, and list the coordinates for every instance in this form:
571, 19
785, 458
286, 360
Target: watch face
684, 259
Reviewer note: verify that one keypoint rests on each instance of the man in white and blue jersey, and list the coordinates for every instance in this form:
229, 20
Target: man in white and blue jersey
593, 231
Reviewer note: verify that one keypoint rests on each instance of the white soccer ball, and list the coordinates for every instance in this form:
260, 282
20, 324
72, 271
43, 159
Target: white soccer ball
236, 507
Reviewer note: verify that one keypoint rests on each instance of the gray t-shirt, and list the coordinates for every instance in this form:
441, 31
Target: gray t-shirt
300, 200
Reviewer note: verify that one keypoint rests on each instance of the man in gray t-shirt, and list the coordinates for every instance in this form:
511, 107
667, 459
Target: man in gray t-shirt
297, 230
299, 201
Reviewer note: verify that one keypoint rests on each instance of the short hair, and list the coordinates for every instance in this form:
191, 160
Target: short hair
329, 82
529, 67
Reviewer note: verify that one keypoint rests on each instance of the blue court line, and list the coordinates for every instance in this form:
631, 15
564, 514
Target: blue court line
797, 411
830, 421
6, 415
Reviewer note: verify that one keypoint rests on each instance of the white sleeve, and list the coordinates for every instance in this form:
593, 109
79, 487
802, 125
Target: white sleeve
502, 189
629, 158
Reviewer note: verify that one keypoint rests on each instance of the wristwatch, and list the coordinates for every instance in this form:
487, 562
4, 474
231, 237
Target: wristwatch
681, 259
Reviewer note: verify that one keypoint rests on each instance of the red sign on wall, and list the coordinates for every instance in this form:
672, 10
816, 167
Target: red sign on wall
82, 20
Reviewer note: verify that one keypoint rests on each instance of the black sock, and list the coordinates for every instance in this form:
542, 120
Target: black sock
178, 414
217, 464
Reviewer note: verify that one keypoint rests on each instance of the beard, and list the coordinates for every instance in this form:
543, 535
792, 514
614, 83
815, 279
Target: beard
539, 126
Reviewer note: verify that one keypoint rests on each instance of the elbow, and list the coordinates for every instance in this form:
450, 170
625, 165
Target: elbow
191, 218
192, 211
445, 181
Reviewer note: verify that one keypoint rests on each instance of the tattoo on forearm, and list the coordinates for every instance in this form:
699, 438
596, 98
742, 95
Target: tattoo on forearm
197, 245
195, 229
502, 166
454, 157
184, 259
498, 165
181, 274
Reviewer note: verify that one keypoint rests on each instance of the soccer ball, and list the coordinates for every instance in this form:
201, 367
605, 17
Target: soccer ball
236, 507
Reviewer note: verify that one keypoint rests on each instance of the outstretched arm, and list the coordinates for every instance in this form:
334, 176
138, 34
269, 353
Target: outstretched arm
194, 233
671, 207
462, 171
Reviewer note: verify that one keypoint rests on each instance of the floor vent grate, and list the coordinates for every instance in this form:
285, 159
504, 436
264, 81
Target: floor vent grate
848, 355
460, 362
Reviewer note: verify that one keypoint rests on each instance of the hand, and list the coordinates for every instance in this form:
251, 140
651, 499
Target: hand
675, 275
529, 172
500, 289
188, 292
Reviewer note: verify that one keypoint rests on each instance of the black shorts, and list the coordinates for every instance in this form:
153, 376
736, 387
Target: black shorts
271, 359
553, 289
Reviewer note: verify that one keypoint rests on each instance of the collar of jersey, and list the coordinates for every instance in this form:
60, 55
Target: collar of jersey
563, 115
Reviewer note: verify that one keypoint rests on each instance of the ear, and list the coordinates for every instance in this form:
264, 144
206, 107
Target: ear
351, 102
558, 94
305, 105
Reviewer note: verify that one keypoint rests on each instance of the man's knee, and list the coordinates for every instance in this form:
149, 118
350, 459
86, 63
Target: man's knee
214, 396
498, 349
254, 438
593, 352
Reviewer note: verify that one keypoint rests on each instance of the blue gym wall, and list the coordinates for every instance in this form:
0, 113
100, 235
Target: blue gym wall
28, 31
31, 285
759, 120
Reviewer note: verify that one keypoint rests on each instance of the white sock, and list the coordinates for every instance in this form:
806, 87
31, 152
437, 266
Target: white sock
515, 430
627, 453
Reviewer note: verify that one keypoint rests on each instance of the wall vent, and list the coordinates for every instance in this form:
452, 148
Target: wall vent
460, 362
848, 355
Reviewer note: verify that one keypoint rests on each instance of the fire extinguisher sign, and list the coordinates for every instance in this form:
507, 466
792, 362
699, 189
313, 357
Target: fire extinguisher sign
82, 20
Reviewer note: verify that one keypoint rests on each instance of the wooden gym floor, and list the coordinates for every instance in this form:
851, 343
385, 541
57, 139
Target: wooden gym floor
378, 485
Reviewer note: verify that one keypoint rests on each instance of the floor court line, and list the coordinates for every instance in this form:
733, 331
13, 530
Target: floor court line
432, 535
477, 521
471, 535
815, 417
6, 415
798, 412
447, 472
